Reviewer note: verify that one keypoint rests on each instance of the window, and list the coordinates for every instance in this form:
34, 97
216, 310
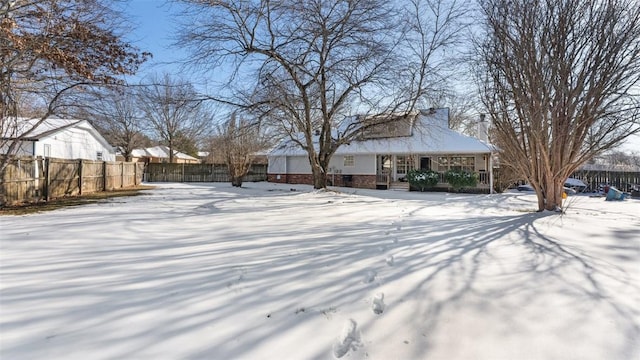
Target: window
99, 155
401, 164
466, 163
349, 160
404, 164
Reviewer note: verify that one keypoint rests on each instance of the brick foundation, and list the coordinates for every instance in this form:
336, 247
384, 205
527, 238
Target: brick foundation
356, 181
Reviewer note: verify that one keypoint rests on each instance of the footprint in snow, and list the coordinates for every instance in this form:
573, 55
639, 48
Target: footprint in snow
369, 277
390, 260
349, 339
377, 304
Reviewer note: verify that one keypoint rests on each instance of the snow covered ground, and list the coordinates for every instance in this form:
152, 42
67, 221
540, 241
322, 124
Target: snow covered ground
207, 271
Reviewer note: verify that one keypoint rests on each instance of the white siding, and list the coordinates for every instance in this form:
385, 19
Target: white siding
298, 165
364, 165
277, 165
74, 143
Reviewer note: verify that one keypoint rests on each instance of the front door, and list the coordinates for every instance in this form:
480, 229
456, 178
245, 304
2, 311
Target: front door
425, 163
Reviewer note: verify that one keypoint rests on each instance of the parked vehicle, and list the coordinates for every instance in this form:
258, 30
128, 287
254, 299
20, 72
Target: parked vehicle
567, 190
525, 187
575, 184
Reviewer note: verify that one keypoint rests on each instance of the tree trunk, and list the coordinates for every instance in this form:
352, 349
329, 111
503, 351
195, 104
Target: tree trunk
554, 198
319, 177
236, 181
541, 199
550, 195
170, 152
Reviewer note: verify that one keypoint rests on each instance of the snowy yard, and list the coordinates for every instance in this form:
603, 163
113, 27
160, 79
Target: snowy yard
207, 271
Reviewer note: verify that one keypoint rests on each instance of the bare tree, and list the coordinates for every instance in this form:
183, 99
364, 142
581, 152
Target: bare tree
621, 159
174, 112
115, 112
561, 85
49, 48
463, 111
311, 63
237, 142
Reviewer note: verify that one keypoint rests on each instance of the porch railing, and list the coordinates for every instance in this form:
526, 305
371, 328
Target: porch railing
483, 178
383, 179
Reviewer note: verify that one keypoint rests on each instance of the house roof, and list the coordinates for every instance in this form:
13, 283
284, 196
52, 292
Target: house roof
430, 134
29, 129
34, 129
160, 151
429, 140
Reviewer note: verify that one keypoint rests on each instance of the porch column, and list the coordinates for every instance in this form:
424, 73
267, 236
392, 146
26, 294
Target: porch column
491, 173
393, 168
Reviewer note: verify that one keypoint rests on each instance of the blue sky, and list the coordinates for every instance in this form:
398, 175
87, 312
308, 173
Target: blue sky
154, 29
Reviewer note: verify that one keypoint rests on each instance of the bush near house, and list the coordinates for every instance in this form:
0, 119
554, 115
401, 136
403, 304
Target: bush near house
459, 179
422, 179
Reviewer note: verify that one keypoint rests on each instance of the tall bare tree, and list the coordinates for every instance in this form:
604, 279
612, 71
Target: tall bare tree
561, 87
308, 64
115, 112
174, 113
48, 48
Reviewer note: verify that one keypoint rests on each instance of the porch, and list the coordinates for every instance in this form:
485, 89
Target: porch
391, 170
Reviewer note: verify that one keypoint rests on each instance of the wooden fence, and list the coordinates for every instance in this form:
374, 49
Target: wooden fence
622, 180
161, 172
30, 179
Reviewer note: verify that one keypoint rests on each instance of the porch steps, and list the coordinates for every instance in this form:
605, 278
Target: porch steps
397, 185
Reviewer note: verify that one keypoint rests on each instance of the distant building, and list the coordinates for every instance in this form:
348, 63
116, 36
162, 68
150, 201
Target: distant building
160, 154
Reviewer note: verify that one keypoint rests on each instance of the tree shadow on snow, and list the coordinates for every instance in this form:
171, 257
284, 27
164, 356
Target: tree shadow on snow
137, 291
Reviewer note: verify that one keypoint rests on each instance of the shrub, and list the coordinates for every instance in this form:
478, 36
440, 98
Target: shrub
459, 179
423, 179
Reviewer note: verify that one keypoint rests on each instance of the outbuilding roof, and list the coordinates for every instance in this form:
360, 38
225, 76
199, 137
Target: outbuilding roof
161, 152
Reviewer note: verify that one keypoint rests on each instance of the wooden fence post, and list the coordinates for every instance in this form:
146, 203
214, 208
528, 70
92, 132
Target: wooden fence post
80, 176
47, 178
104, 176
121, 174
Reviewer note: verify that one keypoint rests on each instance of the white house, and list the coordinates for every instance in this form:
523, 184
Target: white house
56, 138
388, 151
